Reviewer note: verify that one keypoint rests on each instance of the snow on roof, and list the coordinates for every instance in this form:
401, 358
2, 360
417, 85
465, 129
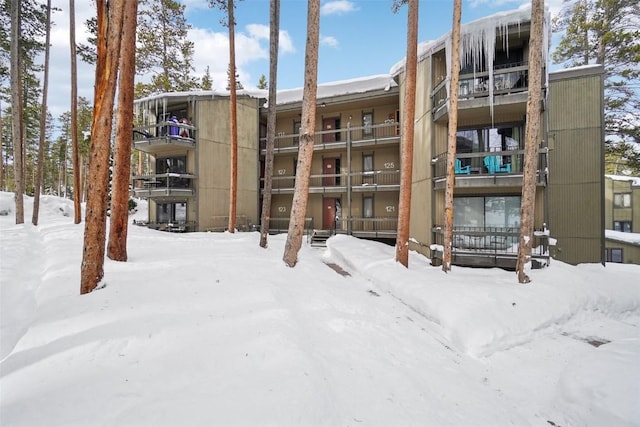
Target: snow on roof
635, 180
341, 87
631, 238
472, 34
253, 93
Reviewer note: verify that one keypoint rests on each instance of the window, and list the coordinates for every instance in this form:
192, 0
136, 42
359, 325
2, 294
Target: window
624, 226
296, 132
367, 206
367, 162
613, 254
490, 211
490, 139
622, 200
367, 123
171, 212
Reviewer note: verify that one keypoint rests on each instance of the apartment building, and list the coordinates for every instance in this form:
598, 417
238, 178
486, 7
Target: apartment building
354, 186
622, 219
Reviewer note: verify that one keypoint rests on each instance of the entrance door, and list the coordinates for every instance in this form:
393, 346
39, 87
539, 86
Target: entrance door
329, 213
331, 124
329, 172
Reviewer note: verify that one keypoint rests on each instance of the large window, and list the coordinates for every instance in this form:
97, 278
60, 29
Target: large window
171, 164
622, 200
171, 212
502, 138
367, 206
489, 211
367, 122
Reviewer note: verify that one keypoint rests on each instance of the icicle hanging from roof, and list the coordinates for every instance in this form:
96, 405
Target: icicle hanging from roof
478, 39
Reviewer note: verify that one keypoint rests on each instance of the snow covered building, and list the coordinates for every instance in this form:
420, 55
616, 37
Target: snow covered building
493, 90
354, 186
622, 219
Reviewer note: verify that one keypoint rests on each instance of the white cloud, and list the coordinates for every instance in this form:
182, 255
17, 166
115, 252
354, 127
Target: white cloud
337, 7
328, 41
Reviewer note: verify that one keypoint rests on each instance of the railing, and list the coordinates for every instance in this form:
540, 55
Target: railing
489, 163
381, 226
164, 133
281, 225
369, 179
384, 133
508, 78
165, 184
174, 226
490, 242
221, 223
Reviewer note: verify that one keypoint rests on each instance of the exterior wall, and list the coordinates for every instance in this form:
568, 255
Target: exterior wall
213, 172
421, 220
575, 140
630, 251
620, 185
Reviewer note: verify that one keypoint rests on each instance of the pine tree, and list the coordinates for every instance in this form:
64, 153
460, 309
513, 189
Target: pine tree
408, 112
452, 137
108, 54
307, 135
77, 196
206, 83
532, 138
607, 32
262, 83
119, 219
274, 39
239, 85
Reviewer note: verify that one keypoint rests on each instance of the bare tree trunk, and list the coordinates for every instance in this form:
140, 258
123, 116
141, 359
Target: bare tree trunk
233, 167
453, 130
532, 136
16, 110
108, 41
307, 134
77, 189
406, 155
117, 246
43, 121
274, 38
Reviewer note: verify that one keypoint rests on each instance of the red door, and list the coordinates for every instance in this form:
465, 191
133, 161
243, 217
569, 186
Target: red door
329, 213
329, 172
329, 125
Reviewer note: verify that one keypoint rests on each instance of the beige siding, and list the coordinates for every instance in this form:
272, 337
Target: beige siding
575, 161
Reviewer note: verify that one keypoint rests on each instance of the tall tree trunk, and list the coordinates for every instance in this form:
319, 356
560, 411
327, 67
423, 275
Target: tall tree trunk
453, 130
233, 167
108, 48
16, 111
532, 136
274, 38
77, 188
117, 247
43, 121
406, 155
307, 135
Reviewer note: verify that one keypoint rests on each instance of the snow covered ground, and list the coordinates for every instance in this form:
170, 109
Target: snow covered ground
209, 329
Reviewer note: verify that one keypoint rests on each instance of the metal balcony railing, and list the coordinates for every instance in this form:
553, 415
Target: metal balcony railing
490, 243
146, 137
383, 133
166, 184
507, 78
379, 179
494, 163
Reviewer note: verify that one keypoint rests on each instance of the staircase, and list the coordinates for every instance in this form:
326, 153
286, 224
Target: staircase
319, 238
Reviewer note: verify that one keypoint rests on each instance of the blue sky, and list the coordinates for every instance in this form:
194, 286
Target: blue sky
358, 38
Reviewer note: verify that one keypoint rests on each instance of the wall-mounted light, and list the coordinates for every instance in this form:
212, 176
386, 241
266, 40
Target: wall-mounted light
323, 105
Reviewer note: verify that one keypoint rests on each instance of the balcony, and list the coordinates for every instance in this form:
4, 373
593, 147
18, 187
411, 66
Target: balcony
172, 227
474, 89
374, 135
380, 180
163, 185
477, 171
489, 247
161, 137
377, 227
